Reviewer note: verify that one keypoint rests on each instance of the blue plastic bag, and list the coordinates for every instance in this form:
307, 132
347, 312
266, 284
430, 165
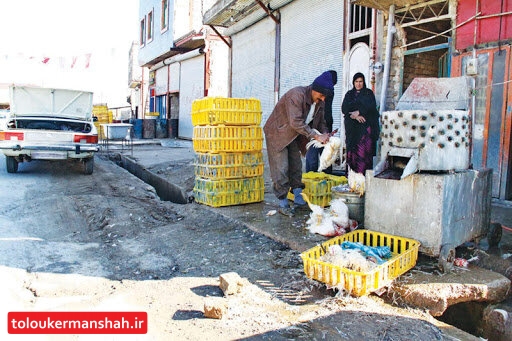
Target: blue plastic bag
377, 252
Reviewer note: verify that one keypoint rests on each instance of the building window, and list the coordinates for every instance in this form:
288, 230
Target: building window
360, 24
360, 18
150, 26
142, 32
164, 18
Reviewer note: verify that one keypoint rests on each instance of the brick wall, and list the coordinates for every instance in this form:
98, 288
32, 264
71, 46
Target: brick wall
404, 68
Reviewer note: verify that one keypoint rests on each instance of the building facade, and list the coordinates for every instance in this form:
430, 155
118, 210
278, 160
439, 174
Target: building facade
451, 38
185, 61
278, 44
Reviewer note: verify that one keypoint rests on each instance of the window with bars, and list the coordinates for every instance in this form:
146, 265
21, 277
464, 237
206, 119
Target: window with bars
360, 18
359, 24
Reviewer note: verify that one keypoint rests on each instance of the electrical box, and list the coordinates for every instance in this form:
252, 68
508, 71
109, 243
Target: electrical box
472, 67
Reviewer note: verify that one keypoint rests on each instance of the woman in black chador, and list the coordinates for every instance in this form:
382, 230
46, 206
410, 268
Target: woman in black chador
361, 125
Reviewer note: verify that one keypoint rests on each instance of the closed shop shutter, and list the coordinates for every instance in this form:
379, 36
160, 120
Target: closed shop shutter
312, 42
174, 77
192, 87
161, 80
253, 64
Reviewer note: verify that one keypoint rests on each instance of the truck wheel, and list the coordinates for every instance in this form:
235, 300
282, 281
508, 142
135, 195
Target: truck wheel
12, 164
89, 166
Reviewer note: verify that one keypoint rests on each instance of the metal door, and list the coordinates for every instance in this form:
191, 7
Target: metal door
492, 114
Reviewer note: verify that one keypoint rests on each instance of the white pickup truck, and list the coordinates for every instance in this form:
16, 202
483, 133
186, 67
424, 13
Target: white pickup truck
49, 124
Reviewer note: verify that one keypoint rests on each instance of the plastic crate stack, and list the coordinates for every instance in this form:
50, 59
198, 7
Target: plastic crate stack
319, 187
104, 116
228, 141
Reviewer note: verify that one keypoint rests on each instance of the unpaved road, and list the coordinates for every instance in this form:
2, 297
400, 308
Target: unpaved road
106, 242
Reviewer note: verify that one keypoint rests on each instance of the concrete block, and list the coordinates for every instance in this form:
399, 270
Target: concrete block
230, 283
215, 307
435, 293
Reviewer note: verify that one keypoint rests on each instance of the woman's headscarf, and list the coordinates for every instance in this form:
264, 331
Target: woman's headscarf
356, 76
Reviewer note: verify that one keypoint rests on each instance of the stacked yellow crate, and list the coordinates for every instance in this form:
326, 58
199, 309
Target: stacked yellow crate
104, 116
319, 187
228, 141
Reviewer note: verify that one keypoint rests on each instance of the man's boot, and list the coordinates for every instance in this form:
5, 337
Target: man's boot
298, 201
284, 208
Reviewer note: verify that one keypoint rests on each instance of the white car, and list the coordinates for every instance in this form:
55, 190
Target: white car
49, 124
4, 115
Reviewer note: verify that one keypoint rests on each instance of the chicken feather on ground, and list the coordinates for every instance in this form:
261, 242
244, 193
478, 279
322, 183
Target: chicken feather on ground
330, 153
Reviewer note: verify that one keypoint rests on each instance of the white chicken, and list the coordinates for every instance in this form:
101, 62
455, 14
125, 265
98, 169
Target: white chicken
349, 259
317, 216
339, 212
330, 153
333, 221
356, 182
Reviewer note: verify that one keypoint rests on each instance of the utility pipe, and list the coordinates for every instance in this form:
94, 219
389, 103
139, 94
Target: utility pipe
387, 62
277, 65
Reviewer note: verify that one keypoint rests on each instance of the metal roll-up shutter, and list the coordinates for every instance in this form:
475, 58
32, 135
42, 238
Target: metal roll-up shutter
174, 77
191, 88
161, 80
312, 42
253, 63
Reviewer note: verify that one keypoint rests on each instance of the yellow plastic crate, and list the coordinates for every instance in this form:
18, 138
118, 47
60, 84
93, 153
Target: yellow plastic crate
322, 200
99, 108
101, 133
217, 193
228, 165
218, 139
318, 187
404, 256
102, 114
227, 111
231, 185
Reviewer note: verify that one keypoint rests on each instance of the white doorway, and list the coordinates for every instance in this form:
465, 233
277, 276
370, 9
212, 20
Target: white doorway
358, 61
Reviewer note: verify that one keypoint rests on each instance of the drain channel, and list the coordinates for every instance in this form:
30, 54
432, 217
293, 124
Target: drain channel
164, 189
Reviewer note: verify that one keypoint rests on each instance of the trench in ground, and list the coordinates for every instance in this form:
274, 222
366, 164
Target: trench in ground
165, 190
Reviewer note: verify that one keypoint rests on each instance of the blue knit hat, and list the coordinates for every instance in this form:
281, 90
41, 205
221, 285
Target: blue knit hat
324, 84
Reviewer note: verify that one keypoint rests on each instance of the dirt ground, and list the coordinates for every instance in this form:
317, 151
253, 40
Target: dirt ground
495, 259
107, 242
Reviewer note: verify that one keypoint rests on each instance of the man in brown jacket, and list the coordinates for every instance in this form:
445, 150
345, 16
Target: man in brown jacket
293, 120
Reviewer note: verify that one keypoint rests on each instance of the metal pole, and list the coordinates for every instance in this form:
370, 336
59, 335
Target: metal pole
387, 62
